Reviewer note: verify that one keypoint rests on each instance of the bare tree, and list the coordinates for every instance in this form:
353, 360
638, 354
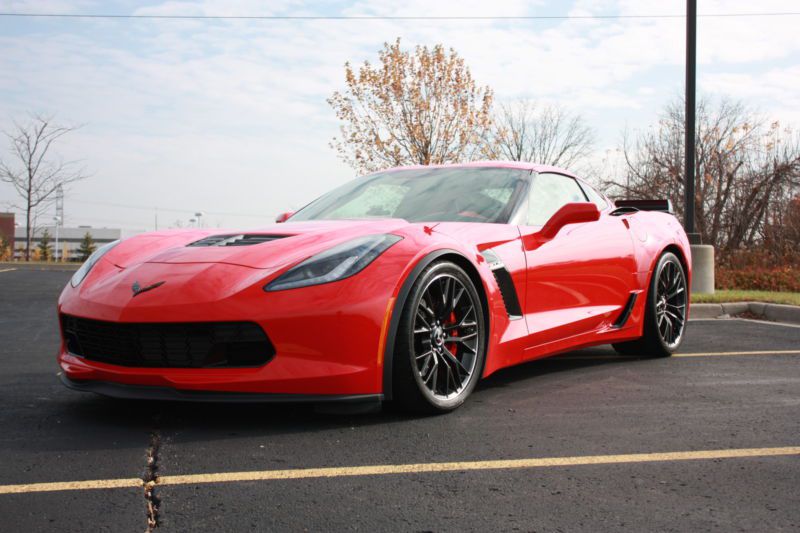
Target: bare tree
414, 108
747, 171
36, 173
547, 134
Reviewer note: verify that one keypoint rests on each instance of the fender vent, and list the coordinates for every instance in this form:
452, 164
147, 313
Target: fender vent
507, 289
626, 312
236, 240
508, 292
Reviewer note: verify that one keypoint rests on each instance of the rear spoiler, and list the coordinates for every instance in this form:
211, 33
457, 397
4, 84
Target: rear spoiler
645, 205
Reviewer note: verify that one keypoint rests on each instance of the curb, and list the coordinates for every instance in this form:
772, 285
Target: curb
775, 312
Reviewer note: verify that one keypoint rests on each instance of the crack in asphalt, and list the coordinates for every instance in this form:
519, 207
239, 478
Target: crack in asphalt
149, 478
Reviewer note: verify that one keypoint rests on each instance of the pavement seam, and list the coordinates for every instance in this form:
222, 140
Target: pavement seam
150, 480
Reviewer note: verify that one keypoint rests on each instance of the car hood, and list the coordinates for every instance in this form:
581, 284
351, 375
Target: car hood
294, 241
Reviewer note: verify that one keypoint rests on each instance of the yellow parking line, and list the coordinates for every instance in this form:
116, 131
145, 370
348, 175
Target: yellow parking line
504, 464
72, 485
758, 352
7, 269
418, 468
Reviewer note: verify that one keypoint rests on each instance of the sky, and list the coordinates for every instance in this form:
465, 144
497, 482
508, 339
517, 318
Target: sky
229, 117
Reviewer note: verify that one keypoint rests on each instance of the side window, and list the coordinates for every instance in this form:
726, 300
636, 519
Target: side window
548, 193
595, 197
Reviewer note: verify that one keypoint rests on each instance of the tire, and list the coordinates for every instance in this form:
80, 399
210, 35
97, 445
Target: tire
665, 312
430, 374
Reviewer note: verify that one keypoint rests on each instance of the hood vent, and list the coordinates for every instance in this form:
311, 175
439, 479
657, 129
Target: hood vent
242, 239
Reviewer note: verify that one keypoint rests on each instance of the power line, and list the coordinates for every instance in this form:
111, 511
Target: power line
389, 17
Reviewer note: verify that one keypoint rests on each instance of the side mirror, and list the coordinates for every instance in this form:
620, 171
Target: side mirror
283, 217
574, 213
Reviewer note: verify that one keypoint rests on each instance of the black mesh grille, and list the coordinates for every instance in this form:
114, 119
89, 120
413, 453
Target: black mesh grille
236, 240
168, 345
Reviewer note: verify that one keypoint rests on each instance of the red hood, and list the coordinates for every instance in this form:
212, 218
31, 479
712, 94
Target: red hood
299, 240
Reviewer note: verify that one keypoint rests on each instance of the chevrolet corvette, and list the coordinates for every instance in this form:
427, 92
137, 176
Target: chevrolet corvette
404, 286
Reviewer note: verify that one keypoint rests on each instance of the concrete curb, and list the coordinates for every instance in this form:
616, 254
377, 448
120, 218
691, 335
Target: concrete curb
775, 312
55, 267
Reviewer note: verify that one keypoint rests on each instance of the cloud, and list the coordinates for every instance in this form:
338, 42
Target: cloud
776, 90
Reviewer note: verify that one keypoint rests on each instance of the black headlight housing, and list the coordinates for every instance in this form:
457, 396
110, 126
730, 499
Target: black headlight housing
340, 262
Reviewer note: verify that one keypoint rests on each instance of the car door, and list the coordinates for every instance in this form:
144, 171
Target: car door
583, 277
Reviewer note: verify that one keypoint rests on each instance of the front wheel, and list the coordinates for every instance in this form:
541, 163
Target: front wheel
440, 344
665, 314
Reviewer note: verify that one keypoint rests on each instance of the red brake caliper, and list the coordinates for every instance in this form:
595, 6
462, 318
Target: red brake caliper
452, 346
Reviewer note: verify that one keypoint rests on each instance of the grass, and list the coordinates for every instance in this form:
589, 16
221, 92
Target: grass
791, 298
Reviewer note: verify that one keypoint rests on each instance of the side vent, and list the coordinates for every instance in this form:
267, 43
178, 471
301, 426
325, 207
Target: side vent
247, 239
507, 289
623, 211
626, 312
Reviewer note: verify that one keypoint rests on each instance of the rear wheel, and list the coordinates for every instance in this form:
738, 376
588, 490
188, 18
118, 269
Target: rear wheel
665, 314
440, 344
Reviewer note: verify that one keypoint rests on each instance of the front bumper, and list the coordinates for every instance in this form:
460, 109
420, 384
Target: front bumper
326, 338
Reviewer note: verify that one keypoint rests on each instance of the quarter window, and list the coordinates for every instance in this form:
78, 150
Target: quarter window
595, 197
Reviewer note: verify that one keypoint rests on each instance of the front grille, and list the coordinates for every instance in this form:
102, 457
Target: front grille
236, 240
168, 345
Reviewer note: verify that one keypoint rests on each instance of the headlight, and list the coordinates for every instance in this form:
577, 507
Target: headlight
339, 262
81, 273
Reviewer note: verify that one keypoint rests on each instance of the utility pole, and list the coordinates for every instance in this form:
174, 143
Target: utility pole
57, 222
689, 163
702, 254
59, 218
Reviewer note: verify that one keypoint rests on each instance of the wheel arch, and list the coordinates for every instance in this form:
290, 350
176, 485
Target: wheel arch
446, 254
679, 253
675, 249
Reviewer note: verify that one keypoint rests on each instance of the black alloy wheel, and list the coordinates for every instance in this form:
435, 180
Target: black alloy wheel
441, 341
665, 314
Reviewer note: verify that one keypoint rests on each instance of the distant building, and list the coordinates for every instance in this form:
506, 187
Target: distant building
7, 227
69, 239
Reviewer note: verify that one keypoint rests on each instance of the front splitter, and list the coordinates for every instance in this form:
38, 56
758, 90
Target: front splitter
145, 392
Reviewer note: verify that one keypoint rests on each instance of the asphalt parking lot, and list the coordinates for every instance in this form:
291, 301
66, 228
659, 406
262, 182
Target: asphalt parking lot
706, 441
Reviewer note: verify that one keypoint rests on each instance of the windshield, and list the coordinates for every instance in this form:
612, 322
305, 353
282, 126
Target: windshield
465, 194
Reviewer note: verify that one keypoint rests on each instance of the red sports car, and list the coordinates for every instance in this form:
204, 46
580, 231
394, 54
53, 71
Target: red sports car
407, 286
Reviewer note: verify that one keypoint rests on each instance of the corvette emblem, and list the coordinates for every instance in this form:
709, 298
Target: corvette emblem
138, 289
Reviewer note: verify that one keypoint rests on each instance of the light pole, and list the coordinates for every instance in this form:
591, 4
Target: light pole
702, 254
57, 221
199, 216
691, 76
